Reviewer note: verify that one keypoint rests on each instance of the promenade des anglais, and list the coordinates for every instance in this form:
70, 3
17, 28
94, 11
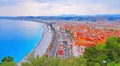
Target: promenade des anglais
59, 33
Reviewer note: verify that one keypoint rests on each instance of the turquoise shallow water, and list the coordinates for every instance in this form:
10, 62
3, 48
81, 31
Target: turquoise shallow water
18, 38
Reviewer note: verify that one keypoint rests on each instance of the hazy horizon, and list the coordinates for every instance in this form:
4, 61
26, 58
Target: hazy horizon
58, 7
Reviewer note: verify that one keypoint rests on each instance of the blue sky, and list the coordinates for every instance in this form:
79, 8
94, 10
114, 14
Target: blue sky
58, 7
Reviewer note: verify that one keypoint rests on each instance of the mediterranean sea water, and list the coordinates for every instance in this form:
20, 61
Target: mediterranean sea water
18, 38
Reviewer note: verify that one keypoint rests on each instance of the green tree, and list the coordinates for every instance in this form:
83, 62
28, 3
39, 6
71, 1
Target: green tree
8, 64
97, 64
101, 47
7, 59
111, 64
111, 43
118, 40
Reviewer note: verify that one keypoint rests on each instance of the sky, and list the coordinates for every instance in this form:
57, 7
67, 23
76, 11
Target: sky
58, 7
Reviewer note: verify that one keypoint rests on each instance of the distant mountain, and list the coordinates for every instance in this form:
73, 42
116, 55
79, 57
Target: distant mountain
69, 17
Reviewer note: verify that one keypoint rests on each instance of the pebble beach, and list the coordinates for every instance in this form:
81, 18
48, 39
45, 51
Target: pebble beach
42, 45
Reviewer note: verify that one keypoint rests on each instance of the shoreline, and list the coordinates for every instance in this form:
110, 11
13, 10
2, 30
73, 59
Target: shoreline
44, 43
41, 47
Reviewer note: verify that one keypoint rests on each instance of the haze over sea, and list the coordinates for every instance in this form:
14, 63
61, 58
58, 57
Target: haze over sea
18, 38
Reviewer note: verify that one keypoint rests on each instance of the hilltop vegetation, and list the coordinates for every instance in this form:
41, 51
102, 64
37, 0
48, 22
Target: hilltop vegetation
107, 54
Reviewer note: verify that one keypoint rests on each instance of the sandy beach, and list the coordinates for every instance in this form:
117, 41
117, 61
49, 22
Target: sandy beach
42, 46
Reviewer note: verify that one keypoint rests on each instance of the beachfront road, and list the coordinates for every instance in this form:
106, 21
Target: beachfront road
66, 50
66, 47
55, 47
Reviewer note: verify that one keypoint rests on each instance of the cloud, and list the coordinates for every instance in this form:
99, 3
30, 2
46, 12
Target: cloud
57, 7
4, 0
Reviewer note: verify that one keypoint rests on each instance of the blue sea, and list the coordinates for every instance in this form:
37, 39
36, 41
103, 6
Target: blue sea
18, 38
